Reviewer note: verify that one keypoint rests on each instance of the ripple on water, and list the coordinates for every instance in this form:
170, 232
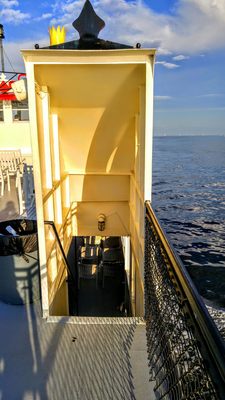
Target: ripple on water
189, 201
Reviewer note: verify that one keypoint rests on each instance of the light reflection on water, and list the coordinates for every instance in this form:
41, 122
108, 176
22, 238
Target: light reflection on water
189, 200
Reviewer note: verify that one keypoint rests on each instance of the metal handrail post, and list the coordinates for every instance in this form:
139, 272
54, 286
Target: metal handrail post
51, 223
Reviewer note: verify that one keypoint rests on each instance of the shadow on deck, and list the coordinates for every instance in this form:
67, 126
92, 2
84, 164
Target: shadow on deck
42, 360
101, 302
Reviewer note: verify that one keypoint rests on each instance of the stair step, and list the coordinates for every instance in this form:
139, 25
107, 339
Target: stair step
96, 320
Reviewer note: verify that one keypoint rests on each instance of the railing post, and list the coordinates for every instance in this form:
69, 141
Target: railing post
51, 223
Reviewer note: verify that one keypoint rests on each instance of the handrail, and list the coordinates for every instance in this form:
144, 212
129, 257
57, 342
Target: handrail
51, 223
211, 345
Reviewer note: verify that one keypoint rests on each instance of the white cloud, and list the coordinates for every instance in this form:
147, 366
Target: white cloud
167, 64
44, 17
212, 95
10, 15
162, 51
162, 98
13, 16
195, 25
198, 25
180, 57
9, 3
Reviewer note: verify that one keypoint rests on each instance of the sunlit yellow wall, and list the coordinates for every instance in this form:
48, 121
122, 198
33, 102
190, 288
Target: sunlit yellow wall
59, 305
96, 187
117, 218
92, 139
15, 135
95, 194
40, 127
140, 183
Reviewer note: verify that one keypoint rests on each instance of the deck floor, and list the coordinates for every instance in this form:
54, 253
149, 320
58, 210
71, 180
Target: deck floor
58, 360
42, 360
64, 359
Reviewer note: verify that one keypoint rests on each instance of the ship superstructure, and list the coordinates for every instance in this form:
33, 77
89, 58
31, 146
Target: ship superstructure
14, 115
109, 277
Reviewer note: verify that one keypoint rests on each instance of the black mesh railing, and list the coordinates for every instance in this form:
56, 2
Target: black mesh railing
186, 353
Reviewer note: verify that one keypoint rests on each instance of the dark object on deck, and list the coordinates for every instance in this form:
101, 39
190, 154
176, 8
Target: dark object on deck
19, 265
113, 255
112, 270
111, 242
25, 240
87, 271
112, 262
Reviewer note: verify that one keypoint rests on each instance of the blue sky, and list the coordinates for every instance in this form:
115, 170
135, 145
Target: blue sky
189, 36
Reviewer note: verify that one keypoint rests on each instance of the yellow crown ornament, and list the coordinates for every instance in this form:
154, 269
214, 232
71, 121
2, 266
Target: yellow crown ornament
57, 35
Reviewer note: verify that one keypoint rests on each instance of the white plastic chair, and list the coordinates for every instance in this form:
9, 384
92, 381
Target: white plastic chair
4, 177
11, 163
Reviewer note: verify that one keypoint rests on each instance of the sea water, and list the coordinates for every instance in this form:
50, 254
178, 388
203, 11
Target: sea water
189, 200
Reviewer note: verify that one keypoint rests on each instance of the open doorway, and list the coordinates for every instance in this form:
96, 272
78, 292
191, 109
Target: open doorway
101, 279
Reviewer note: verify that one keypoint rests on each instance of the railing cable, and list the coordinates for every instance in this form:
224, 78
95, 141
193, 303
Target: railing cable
186, 352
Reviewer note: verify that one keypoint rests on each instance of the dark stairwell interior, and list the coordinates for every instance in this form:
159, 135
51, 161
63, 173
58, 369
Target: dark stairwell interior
101, 288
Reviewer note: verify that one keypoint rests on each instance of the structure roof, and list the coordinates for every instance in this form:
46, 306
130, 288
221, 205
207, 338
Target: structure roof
91, 44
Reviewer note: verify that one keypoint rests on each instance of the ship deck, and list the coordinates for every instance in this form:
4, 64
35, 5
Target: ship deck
71, 358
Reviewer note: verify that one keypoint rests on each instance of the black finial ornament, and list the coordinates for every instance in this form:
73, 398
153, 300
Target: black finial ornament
88, 24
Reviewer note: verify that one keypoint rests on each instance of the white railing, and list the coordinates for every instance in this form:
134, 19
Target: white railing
12, 165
